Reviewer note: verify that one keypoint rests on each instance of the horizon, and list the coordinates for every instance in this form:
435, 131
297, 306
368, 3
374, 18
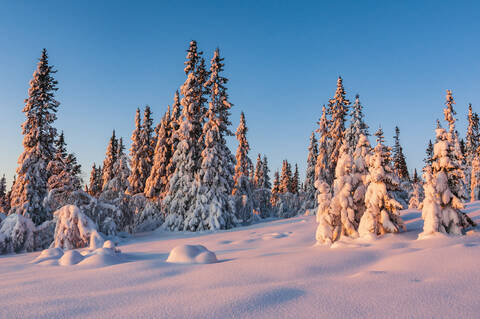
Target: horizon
108, 65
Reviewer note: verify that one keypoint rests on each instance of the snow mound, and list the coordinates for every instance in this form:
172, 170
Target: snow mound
71, 257
48, 254
191, 254
109, 244
103, 257
96, 240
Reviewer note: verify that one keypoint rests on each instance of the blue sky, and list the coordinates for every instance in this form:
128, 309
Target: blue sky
282, 58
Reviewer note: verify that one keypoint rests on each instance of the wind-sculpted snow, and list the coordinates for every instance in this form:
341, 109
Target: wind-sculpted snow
266, 270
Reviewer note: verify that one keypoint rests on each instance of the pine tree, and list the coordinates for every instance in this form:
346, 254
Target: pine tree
381, 215
109, 161
357, 124
39, 135
443, 191
186, 158
338, 110
399, 162
472, 135
243, 188
157, 183
416, 196
214, 208
361, 158
119, 183
286, 178
475, 177
266, 178
428, 160
175, 120
258, 174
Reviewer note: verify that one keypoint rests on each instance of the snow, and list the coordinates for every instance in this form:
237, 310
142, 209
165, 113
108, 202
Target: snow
191, 254
267, 270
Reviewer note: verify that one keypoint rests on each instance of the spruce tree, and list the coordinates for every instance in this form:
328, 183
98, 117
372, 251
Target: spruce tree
399, 162
243, 188
357, 124
121, 171
266, 171
309, 186
286, 178
322, 172
295, 183
258, 175
95, 182
175, 120
428, 154
475, 177
338, 110
4, 206
361, 159
381, 215
442, 205
109, 161
275, 189
157, 183
39, 136
186, 158
214, 208
472, 135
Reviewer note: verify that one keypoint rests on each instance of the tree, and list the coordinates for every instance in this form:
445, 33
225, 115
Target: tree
286, 178
428, 160
157, 183
186, 158
243, 188
309, 186
214, 208
472, 135
109, 161
258, 175
119, 183
361, 158
175, 120
416, 196
443, 192
338, 110
275, 188
96, 181
141, 152
475, 178
381, 215
4, 205
357, 124
322, 172
39, 135
266, 178
295, 183
399, 162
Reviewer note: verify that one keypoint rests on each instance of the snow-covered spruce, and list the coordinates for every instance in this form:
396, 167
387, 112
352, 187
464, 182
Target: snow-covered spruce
443, 186
361, 158
381, 215
40, 109
16, 234
179, 202
309, 185
357, 126
322, 172
325, 233
214, 206
73, 228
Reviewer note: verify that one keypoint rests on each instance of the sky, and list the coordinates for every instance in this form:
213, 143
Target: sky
282, 58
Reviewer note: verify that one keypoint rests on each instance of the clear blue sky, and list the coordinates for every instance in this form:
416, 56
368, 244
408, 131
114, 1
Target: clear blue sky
282, 57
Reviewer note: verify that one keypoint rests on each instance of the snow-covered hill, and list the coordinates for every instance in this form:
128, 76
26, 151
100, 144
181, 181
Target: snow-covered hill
268, 270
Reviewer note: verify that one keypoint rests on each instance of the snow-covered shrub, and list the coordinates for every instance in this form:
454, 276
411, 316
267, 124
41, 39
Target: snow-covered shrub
416, 196
325, 234
73, 228
147, 216
16, 234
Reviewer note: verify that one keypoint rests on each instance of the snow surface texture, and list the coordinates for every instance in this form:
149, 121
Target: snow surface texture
266, 270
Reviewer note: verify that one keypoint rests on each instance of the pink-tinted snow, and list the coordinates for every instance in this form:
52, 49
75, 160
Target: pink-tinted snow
268, 270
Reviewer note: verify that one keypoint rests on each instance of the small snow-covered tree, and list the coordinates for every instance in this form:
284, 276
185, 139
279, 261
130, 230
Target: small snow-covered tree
30, 187
309, 186
119, 183
428, 160
357, 124
4, 205
73, 228
96, 180
338, 110
326, 232
443, 193
381, 215
399, 162
473, 134
361, 158
110, 159
258, 173
275, 189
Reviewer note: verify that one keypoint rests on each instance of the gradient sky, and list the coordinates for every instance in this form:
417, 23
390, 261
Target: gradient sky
282, 58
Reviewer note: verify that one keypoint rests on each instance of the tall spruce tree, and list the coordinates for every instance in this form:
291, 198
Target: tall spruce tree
4, 205
266, 172
40, 109
338, 110
109, 161
322, 171
357, 124
295, 183
472, 135
96, 181
186, 159
399, 162
214, 208
275, 189
258, 175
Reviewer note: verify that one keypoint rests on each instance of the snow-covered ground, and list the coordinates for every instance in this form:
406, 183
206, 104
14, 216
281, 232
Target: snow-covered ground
268, 270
